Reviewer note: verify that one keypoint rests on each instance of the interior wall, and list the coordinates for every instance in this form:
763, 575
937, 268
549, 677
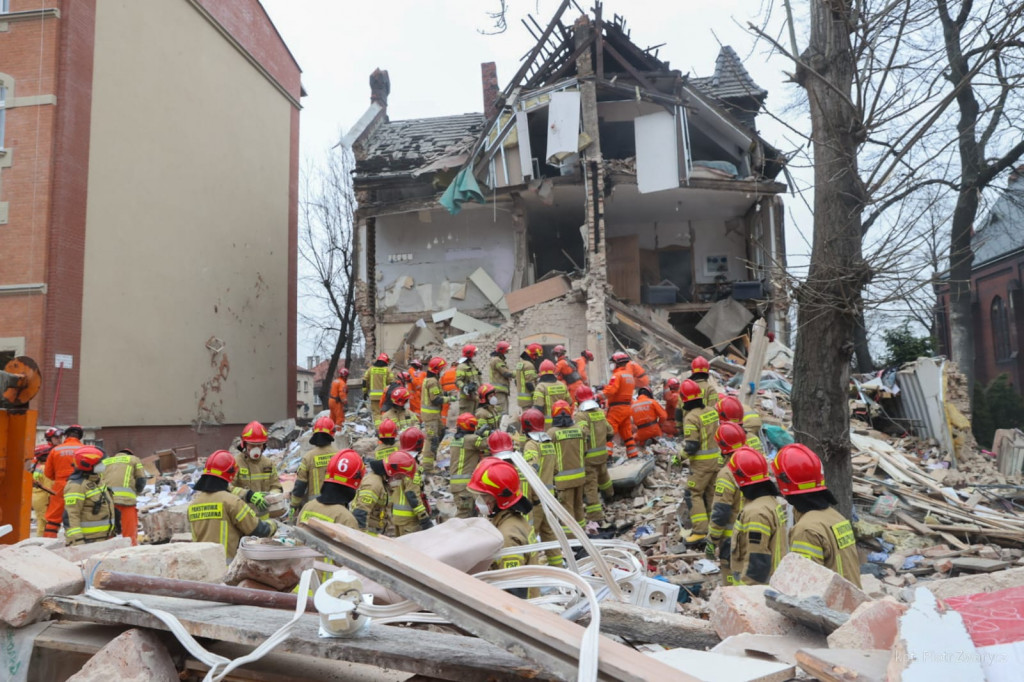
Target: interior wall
710, 237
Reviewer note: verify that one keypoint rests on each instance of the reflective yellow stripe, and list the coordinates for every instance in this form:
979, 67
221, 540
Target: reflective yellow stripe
808, 550
307, 515
701, 457
755, 527
570, 475
71, 498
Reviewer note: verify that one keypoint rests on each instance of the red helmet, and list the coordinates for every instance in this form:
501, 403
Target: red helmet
587, 355
584, 392
416, 363
730, 437
343, 372
558, 351
503, 347
255, 433
484, 392
532, 420
700, 365
436, 365
324, 425
499, 479
468, 351
561, 407
387, 429
748, 466
384, 357
222, 465
730, 409
620, 358
412, 439
346, 468
400, 464
400, 396
466, 422
546, 367
535, 351
644, 390
690, 390
42, 449
73, 429
798, 470
53, 432
672, 384
500, 441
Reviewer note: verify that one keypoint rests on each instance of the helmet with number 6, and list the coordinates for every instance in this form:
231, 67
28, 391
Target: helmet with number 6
346, 468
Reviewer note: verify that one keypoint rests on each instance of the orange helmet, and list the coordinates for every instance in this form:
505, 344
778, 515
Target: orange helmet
400, 396
672, 384
412, 439
42, 449
730, 436
700, 365
416, 363
499, 479
222, 465
558, 351
584, 392
748, 466
798, 470
346, 468
400, 464
468, 351
324, 425
690, 390
561, 407
254, 433
485, 392
343, 372
384, 357
587, 355
730, 409
387, 429
620, 358
466, 422
547, 367
436, 365
500, 441
535, 351
503, 347
87, 457
532, 420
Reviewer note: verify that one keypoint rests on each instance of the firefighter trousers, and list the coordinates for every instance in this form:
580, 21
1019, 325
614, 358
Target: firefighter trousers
700, 490
40, 500
572, 500
597, 485
542, 527
432, 429
55, 511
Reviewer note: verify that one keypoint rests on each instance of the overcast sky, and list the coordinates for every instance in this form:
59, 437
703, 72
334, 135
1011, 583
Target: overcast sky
433, 50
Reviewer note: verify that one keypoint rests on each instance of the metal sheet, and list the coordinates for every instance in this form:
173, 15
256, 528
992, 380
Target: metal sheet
922, 398
657, 152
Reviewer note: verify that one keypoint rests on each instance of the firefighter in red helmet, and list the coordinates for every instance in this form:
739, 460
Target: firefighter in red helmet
467, 379
376, 379
699, 425
216, 515
88, 503
313, 468
526, 374
342, 477
759, 538
257, 475
499, 498
500, 376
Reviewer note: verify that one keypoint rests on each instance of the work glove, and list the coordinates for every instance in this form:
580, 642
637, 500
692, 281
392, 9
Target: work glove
709, 549
293, 514
257, 500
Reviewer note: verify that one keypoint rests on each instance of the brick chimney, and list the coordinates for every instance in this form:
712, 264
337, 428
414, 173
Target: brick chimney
380, 87
489, 81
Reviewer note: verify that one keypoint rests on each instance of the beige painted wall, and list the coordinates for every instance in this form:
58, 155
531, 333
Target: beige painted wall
187, 225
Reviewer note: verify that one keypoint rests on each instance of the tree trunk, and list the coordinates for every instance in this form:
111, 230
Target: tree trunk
829, 302
865, 363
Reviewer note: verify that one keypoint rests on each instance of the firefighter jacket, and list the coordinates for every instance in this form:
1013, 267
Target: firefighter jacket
488, 415
546, 395
568, 469
499, 374
467, 379
383, 450
61, 463
526, 381
376, 379
402, 416
566, 372
725, 507
752, 425
125, 478
709, 392
619, 389
39, 478
825, 537
639, 374
465, 452
516, 531
371, 504
331, 513
540, 452
581, 369
431, 400
668, 425
406, 501
339, 396
222, 518
418, 376
309, 477
599, 432
647, 414
699, 427
88, 509
259, 476
759, 540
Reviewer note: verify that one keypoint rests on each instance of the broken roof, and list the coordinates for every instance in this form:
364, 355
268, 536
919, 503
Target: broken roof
399, 147
1003, 231
731, 79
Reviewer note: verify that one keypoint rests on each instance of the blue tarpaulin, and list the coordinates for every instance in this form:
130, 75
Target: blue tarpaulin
463, 188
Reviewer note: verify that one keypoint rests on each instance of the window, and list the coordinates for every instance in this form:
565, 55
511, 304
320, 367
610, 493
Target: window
5, 6
3, 100
1000, 329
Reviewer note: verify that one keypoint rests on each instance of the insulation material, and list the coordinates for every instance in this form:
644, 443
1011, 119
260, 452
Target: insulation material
657, 154
525, 153
563, 126
725, 321
426, 294
490, 289
470, 324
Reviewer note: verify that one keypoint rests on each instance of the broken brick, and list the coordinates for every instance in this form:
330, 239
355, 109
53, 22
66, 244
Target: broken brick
202, 561
81, 552
27, 574
972, 584
742, 608
800, 577
872, 625
132, 656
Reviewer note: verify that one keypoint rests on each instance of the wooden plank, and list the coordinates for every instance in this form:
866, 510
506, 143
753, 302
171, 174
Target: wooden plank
473, 605
844, 665
449, 657
547, 290
624, 267
970, 564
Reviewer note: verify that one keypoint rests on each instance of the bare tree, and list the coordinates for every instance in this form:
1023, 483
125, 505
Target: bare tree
328, 250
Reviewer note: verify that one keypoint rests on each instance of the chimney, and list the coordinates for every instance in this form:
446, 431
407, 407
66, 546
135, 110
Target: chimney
1016, 177
380, 87
489, 80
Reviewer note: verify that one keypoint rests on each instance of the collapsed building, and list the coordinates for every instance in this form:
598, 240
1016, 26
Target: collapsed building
599, 178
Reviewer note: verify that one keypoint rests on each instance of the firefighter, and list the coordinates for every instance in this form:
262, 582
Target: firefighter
216, 515
499, 498
387, 439
451, 390
569, 474
42, 487
399, 411
640, 377
372, 507
671, 396
467, 379
759, 539
54, 436
338, 399
526, 374
465, 451
647, 416
566, 372
548, 390
410, 510
88, 505
487, 407
417, 376
125, 478
730, 409
257, 474
375, 380
582, 362
598, 483
313, 468
60, 464
500, 375
539, 450
727, 501
432, 402
821, 533
619, 393
699, 425
401, 380
342, 477
700, 372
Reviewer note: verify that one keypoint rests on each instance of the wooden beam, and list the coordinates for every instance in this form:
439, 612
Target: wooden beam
630, 69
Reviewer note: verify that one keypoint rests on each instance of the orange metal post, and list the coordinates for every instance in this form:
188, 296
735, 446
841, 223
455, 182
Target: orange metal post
17, 440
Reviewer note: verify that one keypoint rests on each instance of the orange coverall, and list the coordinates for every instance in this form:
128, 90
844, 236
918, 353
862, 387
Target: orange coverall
59, 467
567, 374
416, 389
668, 423
447, 386
619, 392
338, 400
581, 369
648, 414
640, 377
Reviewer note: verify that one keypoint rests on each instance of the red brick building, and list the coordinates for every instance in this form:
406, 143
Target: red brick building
148, 201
